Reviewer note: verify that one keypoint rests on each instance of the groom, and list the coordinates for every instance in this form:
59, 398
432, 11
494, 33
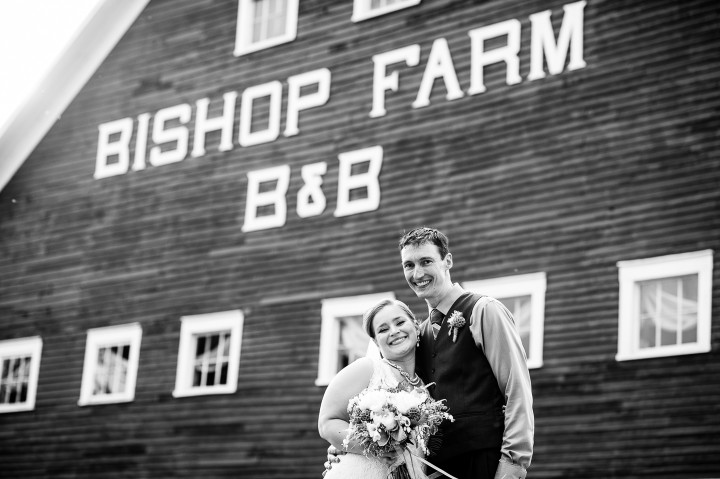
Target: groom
471, 350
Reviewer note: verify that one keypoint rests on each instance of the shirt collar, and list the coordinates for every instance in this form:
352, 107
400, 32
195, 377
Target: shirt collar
449, 299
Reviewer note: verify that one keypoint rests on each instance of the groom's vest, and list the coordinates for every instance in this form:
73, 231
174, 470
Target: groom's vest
463, 377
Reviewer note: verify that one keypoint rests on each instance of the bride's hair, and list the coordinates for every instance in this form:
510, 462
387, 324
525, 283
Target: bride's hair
370, 314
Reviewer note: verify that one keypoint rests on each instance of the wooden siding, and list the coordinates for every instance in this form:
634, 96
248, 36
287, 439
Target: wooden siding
566, 175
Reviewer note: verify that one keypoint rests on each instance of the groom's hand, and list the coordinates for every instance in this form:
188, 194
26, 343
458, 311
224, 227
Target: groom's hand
332, 456
392, 459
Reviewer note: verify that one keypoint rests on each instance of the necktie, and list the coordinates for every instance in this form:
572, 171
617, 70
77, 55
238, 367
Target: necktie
436, 318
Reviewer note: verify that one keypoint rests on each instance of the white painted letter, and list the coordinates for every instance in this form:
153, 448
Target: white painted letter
543, 42
141, 142
119, 147
275, 197
312, 179
439, 64
224, 123
179, 134
367, 181
296, 103
247, 136
381, 82
508, 54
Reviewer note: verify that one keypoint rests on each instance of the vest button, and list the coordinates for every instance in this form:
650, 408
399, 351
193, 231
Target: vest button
433, 370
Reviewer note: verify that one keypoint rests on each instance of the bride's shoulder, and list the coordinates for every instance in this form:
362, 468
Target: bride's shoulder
363, 365
359, 370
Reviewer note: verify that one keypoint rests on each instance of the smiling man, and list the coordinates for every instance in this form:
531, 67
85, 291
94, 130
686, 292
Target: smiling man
471, 350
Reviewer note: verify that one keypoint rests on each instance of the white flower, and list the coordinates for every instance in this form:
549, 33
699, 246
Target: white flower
388, 420
372, 430
405, 400
373, 400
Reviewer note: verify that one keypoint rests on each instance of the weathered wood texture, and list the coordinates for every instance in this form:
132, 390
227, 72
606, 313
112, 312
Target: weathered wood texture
567, 175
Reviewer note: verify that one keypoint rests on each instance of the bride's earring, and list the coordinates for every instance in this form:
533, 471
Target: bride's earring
417, 333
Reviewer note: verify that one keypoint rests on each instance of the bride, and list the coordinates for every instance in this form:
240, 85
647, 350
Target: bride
393, 328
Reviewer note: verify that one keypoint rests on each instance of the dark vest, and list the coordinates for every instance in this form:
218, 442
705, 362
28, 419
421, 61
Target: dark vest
463, 377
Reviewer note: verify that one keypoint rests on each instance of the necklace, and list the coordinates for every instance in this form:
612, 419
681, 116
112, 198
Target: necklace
414, 381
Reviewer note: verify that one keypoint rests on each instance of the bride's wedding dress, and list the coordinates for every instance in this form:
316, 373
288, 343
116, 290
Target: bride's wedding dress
358, 466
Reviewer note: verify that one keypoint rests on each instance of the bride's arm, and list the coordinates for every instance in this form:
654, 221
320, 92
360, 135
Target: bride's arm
333, 418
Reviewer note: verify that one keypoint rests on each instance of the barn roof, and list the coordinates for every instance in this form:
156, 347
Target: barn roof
84, 54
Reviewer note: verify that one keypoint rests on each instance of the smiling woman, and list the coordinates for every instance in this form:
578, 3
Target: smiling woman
393, 328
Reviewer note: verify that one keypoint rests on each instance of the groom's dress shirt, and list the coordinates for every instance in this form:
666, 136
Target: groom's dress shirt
495, 333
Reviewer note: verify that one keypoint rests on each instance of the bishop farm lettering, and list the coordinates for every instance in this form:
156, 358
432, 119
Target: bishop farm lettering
169, 137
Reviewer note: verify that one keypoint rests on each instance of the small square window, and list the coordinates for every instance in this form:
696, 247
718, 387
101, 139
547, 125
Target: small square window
265, 23
364, 9
111, 363
665, 305
342, 338
209, 355
524, 296
19, 369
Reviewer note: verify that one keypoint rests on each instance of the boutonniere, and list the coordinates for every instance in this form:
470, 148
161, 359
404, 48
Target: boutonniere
456, 321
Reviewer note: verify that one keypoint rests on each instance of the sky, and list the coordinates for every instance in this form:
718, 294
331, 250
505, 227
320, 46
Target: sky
32, 35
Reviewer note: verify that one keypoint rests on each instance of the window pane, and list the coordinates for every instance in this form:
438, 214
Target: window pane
257, 33
353, 341
111, 370
14, 380
212, 354
519, 306
376, 4
269, 19
5, 370
668, 311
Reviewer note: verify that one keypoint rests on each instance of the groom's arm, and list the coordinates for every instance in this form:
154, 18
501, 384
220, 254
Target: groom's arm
495, 332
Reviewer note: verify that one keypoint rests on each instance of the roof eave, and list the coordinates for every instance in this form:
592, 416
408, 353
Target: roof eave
85, 53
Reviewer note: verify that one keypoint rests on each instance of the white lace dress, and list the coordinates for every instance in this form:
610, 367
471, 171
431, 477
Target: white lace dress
357, 466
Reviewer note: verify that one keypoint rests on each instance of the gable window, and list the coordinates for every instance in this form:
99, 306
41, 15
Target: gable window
19, 369
665, 305
265, 23
209, 354
364, 9
342, 338
111, 363
524, 296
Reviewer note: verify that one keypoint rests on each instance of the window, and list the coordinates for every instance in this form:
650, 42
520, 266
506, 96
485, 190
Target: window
524, 296
209, 355
265, 23
111, 364
665, 305
19, 368
342, 338
364, 9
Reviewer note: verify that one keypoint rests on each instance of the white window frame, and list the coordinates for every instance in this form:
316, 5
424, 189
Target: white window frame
533, 285
107, 337
362, 10
632, 271
32, 347
332, 310
243, 35
231, 321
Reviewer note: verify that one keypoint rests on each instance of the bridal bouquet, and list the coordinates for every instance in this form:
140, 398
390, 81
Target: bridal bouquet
382, 419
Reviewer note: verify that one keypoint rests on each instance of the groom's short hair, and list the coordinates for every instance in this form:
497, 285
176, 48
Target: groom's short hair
422, 235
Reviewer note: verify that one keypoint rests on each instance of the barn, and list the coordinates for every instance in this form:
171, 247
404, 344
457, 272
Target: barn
189, 240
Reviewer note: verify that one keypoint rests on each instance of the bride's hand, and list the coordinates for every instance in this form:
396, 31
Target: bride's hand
333, 455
